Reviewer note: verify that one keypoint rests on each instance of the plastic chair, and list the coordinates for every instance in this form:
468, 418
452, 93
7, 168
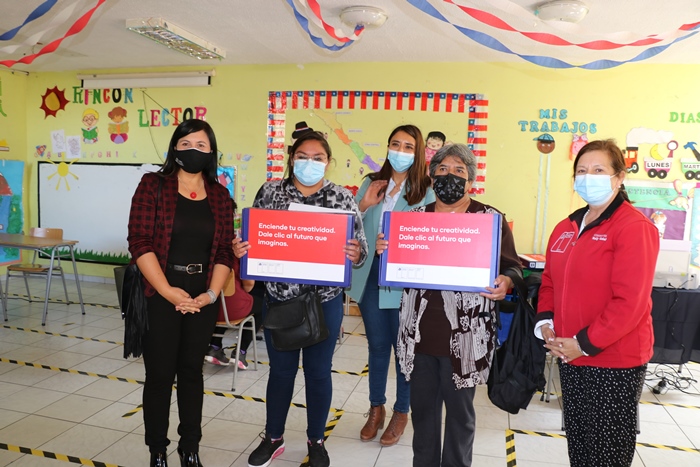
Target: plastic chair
36, 269
247, 323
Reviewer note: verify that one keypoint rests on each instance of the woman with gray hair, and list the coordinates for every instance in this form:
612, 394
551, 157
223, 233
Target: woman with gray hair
446, 358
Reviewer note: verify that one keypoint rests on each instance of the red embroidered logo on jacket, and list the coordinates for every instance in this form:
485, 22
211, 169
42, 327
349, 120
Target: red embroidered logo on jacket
600, 238
562, 242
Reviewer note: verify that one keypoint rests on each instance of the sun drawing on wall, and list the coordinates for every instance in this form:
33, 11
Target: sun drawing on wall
62, 170
52, 101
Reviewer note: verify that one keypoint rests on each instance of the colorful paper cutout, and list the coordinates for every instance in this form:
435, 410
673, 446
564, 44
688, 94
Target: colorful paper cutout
52, 101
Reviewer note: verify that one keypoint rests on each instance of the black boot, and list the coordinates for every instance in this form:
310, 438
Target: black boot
159, 459
189, 459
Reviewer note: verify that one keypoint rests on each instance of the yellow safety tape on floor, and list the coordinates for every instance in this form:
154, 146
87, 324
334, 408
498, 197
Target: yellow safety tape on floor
56, 334
59, 301
510, 449
359, 334
133, 412
646, 445
364, 372
68, 370
53, 455
666, 404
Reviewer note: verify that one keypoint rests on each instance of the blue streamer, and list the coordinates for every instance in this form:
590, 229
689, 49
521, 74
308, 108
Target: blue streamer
38, 12
304, 23
548, 62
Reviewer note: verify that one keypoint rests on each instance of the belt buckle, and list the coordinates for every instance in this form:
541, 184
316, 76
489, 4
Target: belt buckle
194, 268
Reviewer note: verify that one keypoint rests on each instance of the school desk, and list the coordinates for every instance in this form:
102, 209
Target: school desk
50, 247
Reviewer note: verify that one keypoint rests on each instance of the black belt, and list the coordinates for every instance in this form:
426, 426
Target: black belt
189, 269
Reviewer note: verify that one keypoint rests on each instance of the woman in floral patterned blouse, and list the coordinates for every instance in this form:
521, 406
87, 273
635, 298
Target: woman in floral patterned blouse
446, 338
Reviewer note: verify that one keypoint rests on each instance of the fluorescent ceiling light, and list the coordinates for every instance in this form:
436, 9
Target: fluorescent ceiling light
174, 37
147, 80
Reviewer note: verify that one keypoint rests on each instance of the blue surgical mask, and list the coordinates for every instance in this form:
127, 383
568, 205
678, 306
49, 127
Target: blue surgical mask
309, 172
594, 189
400, 161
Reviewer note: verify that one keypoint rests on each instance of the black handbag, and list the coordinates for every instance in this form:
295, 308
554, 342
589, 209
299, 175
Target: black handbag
296, 323
518, 365
132, 300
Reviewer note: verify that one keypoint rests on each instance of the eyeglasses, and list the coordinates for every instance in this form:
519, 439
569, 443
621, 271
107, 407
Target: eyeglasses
300, 156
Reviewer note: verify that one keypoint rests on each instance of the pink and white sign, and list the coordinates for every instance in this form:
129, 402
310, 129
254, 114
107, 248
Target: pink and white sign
300, 247
442, 251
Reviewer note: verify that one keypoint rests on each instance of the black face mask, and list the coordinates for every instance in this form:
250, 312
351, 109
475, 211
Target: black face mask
191, 160
449, 188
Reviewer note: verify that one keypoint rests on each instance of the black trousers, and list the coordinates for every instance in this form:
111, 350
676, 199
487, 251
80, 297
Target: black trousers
175, 345
600, 413
431, 386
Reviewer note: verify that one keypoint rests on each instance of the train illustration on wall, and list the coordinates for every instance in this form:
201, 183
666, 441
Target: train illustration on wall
659, 164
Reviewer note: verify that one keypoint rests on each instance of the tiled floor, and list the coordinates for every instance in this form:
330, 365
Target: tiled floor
65, 390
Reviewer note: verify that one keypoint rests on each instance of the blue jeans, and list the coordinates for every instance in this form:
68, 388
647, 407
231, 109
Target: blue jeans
317, 360
382, 329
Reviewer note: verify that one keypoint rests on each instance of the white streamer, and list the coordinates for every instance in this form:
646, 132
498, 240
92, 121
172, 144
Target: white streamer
59, 20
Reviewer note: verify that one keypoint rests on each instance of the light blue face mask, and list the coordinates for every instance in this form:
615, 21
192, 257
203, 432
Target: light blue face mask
594, 189
309, 172
400, 161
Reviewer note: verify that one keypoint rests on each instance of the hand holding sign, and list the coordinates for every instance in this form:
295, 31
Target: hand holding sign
240, 248
502, 283
381, 244
442, 251
296, 246
352, 250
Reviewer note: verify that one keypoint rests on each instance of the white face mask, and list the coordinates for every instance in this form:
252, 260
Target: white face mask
308, 171
594, 189
400, 161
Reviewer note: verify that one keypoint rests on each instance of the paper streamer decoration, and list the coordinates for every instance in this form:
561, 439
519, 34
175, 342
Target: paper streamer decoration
38, 12
78, 26
333, 32
304, 23
551, 39
58, 20
512, 9
544, 61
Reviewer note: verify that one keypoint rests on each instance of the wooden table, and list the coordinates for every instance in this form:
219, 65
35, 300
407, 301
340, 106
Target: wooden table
26, 242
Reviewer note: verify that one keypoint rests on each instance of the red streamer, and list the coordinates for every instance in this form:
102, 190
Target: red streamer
316, 9
78, 26
551, 39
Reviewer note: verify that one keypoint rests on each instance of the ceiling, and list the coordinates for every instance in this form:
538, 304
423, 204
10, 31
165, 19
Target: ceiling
266, 32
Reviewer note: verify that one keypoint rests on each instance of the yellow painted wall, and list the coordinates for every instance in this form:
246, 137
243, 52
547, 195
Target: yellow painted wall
13, 119
616, 100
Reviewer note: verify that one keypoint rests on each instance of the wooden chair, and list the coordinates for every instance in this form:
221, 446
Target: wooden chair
247, 324
36, 269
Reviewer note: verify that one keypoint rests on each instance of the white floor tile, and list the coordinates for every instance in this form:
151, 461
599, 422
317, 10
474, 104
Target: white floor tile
82, 416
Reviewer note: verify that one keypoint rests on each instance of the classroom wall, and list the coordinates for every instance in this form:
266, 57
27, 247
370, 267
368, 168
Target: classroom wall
13, 122
612, 101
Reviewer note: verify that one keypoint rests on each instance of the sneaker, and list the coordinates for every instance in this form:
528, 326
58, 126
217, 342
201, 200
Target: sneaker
266, 452
216, 357
240, 361
318, 456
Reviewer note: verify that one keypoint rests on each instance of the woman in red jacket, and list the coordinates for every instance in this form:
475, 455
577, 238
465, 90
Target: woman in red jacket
594, 309
180, 234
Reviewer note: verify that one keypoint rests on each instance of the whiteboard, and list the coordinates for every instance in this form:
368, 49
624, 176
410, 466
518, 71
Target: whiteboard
91, 203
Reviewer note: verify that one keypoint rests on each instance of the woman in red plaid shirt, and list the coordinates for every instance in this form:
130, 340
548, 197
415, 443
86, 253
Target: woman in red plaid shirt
180, 234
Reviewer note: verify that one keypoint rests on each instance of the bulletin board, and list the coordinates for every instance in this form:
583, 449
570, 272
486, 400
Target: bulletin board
358, 123
91, 203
